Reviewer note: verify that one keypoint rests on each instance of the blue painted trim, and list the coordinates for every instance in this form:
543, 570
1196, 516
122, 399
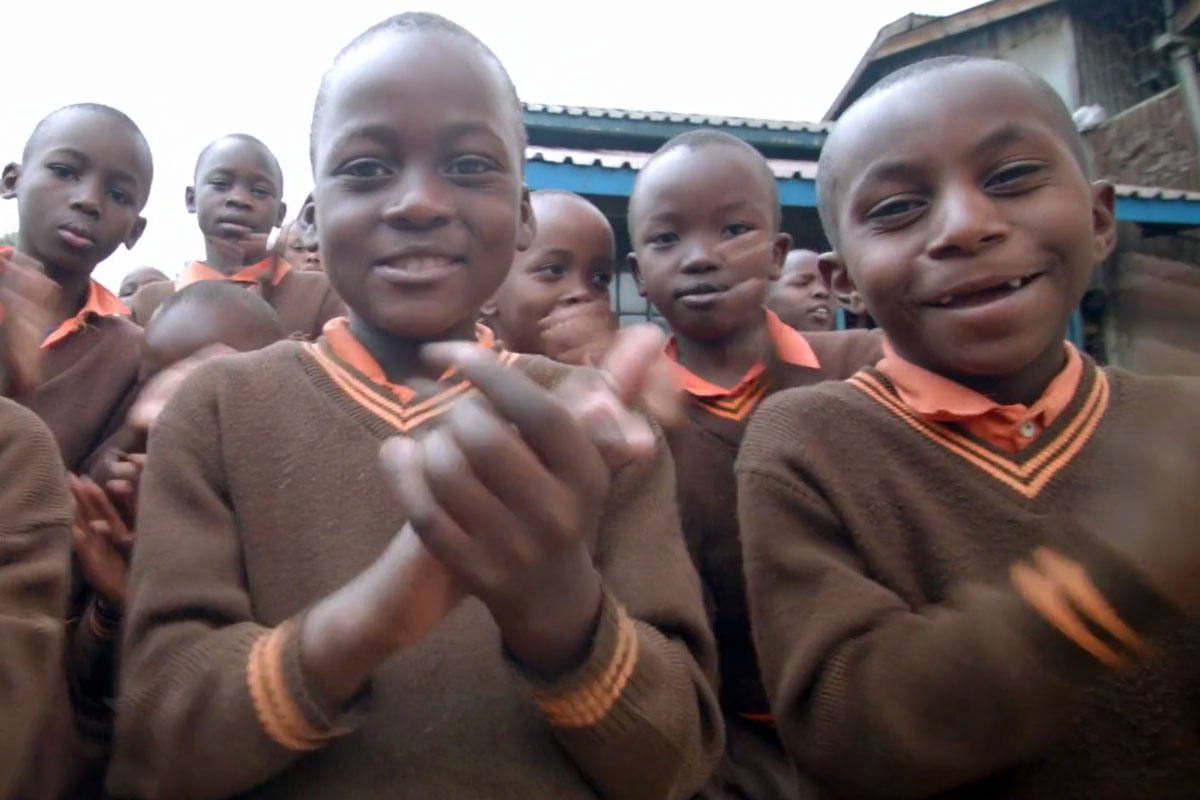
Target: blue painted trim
801, 193
618, 182
1158, 211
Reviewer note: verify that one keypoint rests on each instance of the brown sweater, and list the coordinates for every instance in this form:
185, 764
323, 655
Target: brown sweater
35, 551
894, 566
304, 302
704, 448
249, 515
89, 380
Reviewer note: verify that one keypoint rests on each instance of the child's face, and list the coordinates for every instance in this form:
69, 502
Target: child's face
570, 262
965, 221
238, 191
800, 296
80, 191
419, 197
705, 245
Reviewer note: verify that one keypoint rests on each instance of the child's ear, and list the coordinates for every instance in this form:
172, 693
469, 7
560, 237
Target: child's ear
837, 278
189, 199
1104, 219
9, 179
631, 262
282, 215
135, 233
489, 309
779, 251
308, 213
527, 227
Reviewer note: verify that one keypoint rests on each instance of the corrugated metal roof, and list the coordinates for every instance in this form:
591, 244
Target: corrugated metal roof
706, 120
621, 159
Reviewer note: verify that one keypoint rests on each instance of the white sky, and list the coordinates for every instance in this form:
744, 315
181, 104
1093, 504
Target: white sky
190, 72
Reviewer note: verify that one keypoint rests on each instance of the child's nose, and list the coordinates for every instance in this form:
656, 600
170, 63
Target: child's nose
701, 256
88, 194
967, 221
421, 202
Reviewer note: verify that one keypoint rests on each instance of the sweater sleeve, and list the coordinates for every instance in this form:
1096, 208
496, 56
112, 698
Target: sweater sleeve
876, 698
35, 543
202, 682
639, 717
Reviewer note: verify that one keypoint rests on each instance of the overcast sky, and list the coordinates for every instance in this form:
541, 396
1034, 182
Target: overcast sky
190, 72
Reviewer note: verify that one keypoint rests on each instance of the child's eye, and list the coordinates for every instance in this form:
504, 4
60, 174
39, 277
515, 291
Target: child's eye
601, 280
1012, 174
471, 165
259, 191
663, 239
62, 171
119, 197
365, 168
550, 272
220, 186
737, 229
895, 209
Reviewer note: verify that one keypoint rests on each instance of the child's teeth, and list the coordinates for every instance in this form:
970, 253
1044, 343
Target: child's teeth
1015, 283
947, 300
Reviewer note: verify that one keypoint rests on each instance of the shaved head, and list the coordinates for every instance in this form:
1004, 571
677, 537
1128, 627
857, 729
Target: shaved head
244, 138
31, 144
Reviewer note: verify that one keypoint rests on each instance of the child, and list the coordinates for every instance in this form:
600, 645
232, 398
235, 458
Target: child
555, 300
82, 182
300, 239
34, 540
800, 297
289, 633
238, 199
704, 217
957, 561
136, 279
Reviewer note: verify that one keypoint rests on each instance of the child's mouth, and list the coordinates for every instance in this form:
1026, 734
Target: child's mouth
701, 295
75, 238
989, 294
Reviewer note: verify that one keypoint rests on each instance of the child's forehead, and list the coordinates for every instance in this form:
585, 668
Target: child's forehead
452, 80
942, 115
700, 177
100, 138
238, 155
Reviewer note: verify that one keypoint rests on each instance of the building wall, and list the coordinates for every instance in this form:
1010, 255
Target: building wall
1041, 40
1151, 144
1117, 65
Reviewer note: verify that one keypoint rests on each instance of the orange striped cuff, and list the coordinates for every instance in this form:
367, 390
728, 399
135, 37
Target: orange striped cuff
576, 703
275, 704
1062, 592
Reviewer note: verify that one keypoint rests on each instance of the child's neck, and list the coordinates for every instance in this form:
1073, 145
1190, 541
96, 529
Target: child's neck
73, 288
400, 357
724, 361
1025, 386
226, 263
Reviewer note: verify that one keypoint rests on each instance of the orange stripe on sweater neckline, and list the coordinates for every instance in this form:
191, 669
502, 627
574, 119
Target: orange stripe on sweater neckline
1027, 478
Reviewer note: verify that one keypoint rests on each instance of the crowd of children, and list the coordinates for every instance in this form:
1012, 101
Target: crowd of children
389, 507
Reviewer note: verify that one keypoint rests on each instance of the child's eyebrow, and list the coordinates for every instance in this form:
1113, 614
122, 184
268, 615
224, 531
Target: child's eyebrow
70, 152
1007, 134
884, 171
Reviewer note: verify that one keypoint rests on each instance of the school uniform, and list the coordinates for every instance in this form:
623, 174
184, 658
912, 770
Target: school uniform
89, 380
304, 301
249, 516
89, 371
35, 553
704, 447
910, 545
